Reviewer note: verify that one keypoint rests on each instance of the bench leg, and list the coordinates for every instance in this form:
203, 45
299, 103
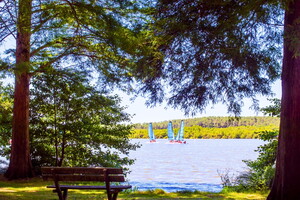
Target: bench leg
65, 194
112, 196
115, 195
109, 197
59, 193
62, 194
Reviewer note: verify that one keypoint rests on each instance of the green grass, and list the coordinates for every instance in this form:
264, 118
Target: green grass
35, 189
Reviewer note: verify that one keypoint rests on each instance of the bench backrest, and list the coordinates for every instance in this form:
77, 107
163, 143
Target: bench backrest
101, 174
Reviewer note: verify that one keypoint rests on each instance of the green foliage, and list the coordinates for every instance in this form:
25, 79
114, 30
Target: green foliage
273, 110
73, 124
198, 132
217, 51
6, 106
262, 170
109, 36
215, 122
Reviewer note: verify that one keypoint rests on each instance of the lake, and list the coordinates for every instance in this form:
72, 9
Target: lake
192, 166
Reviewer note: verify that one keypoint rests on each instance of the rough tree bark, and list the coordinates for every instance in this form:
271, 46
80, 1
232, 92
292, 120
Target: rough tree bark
20, 163
286, 183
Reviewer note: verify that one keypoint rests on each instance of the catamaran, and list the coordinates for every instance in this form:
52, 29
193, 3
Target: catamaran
179, 137
151, 133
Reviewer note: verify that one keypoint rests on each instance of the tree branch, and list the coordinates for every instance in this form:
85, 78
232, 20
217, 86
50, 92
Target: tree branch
4, 22
42, 67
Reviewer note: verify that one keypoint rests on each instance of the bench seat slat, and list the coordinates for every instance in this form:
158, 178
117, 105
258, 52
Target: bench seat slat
84, 177
92, 187
81, 170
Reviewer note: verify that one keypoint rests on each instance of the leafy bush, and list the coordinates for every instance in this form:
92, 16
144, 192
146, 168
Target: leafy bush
6, 107
262, 170
71, 123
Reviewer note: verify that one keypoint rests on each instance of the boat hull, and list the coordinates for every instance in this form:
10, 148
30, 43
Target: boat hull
176, 142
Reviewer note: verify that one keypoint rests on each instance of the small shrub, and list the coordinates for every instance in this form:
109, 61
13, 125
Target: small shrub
159, 191
261, 171
228, 178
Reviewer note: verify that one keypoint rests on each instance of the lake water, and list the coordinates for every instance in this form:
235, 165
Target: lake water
192, 166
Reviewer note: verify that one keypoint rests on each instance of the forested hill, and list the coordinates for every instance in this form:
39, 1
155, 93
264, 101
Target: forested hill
215, 122
212, 127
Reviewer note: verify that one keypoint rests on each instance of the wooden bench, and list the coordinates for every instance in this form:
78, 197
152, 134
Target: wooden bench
75, 174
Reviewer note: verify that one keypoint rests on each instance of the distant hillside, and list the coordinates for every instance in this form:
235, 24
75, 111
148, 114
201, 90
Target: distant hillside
215, 122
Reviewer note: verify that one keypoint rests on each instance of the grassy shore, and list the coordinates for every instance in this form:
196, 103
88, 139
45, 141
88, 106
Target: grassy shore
35, 189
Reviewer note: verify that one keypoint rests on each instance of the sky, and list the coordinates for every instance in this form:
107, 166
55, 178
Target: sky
142, 114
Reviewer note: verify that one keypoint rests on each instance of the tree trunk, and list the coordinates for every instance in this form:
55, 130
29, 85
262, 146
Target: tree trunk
20, 163
286, 183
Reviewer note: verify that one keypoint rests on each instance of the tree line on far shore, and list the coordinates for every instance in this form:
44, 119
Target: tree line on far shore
212, 128
215, 122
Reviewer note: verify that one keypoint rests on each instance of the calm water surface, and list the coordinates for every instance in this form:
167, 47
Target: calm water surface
191, 166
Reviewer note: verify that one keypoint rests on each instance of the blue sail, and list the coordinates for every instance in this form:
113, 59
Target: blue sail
177, 136
150, 132
170, 132
180, 134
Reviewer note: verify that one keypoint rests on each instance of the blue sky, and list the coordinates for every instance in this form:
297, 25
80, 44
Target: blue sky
160, 113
